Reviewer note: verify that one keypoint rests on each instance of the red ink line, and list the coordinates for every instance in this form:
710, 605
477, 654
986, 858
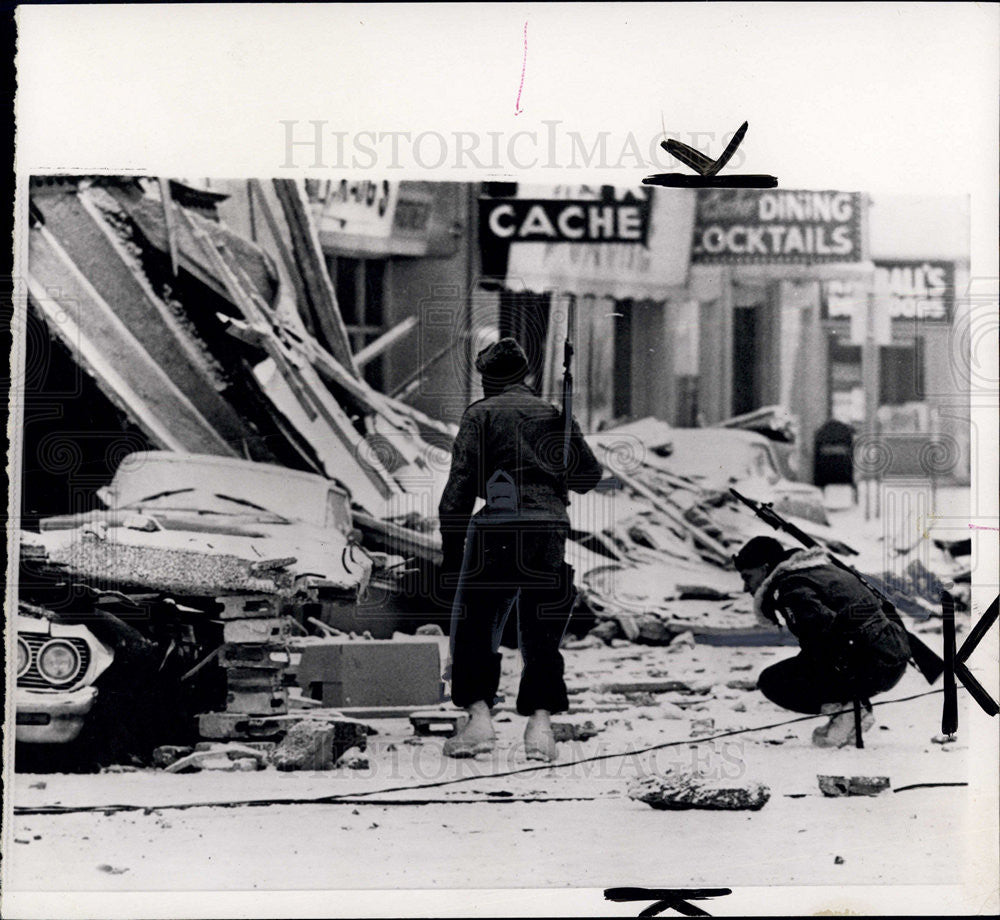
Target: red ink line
982, 527
524, 64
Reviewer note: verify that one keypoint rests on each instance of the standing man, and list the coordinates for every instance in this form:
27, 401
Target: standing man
509, 451
849, 648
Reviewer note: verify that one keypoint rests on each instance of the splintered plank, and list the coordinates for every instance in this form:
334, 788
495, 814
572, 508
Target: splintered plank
312, 266
79, 224
100, 341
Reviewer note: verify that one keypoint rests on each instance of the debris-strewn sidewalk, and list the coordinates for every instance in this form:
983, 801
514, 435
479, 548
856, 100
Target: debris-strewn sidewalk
577, 821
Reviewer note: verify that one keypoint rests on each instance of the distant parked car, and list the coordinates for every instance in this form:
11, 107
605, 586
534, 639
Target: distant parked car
720, 458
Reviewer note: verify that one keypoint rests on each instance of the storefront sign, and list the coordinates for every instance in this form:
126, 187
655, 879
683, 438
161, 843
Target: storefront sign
643, 268
900, 289
527, 220
745, 226
915, 289
362, 207
372, 217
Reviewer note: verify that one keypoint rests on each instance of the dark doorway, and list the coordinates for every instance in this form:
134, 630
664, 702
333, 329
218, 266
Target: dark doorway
525, 316
901, 374
622, 404
746, 377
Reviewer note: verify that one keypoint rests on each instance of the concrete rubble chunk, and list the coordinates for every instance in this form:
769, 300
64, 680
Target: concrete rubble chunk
166, 754
682, 642
654, 630
572, 731
315, 744
943, 739
606, 631
217, 758
674, 791
835, 786
306, 746
702, 727
353, 760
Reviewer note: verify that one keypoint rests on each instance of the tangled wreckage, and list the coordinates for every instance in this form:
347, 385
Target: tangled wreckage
230, 490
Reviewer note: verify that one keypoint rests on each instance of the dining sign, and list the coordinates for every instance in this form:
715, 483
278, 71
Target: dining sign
747, 226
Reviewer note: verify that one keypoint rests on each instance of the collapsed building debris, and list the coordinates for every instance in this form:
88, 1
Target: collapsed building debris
653, 561
269, 488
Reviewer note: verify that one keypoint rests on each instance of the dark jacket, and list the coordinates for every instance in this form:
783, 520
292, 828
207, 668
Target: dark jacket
523, 435
835, 618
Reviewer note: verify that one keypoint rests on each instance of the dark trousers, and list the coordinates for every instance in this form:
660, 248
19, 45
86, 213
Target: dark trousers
512, 567
804, 685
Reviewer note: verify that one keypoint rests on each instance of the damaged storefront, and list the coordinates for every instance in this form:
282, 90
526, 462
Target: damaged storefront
620, 256
794, 286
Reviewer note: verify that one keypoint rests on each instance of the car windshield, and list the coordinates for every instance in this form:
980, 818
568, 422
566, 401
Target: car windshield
241, 501
213, 486
153, 498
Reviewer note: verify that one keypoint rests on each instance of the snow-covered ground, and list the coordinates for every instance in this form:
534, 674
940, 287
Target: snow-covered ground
567, 826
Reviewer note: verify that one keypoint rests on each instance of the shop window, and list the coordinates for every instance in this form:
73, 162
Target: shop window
901, 373
847, 398
360, 287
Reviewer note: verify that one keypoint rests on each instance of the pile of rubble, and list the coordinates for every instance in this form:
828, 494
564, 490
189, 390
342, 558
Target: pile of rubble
653, 560
283, 490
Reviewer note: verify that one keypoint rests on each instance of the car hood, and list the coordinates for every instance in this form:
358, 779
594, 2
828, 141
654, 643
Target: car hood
229, 554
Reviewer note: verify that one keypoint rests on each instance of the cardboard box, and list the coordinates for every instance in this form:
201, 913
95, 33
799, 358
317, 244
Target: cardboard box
344, 672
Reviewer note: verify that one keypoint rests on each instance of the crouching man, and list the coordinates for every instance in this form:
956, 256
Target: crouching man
849, 648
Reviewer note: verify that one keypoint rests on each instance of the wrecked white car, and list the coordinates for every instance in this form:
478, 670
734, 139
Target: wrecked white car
715, 459
57, 664
202, 525
128, 597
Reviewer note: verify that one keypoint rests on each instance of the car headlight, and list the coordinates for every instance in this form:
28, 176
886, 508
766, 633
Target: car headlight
59, 662
23, 657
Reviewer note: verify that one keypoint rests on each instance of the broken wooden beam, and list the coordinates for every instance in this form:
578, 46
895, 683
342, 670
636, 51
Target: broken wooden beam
385, 341
700, 536
312, 267
643, 686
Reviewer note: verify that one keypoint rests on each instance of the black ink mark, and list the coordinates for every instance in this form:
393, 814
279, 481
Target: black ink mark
926, 786
954, 663
707, 168
949, 711
698, 161
667, 899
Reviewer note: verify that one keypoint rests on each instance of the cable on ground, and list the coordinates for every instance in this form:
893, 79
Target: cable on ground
367, 793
